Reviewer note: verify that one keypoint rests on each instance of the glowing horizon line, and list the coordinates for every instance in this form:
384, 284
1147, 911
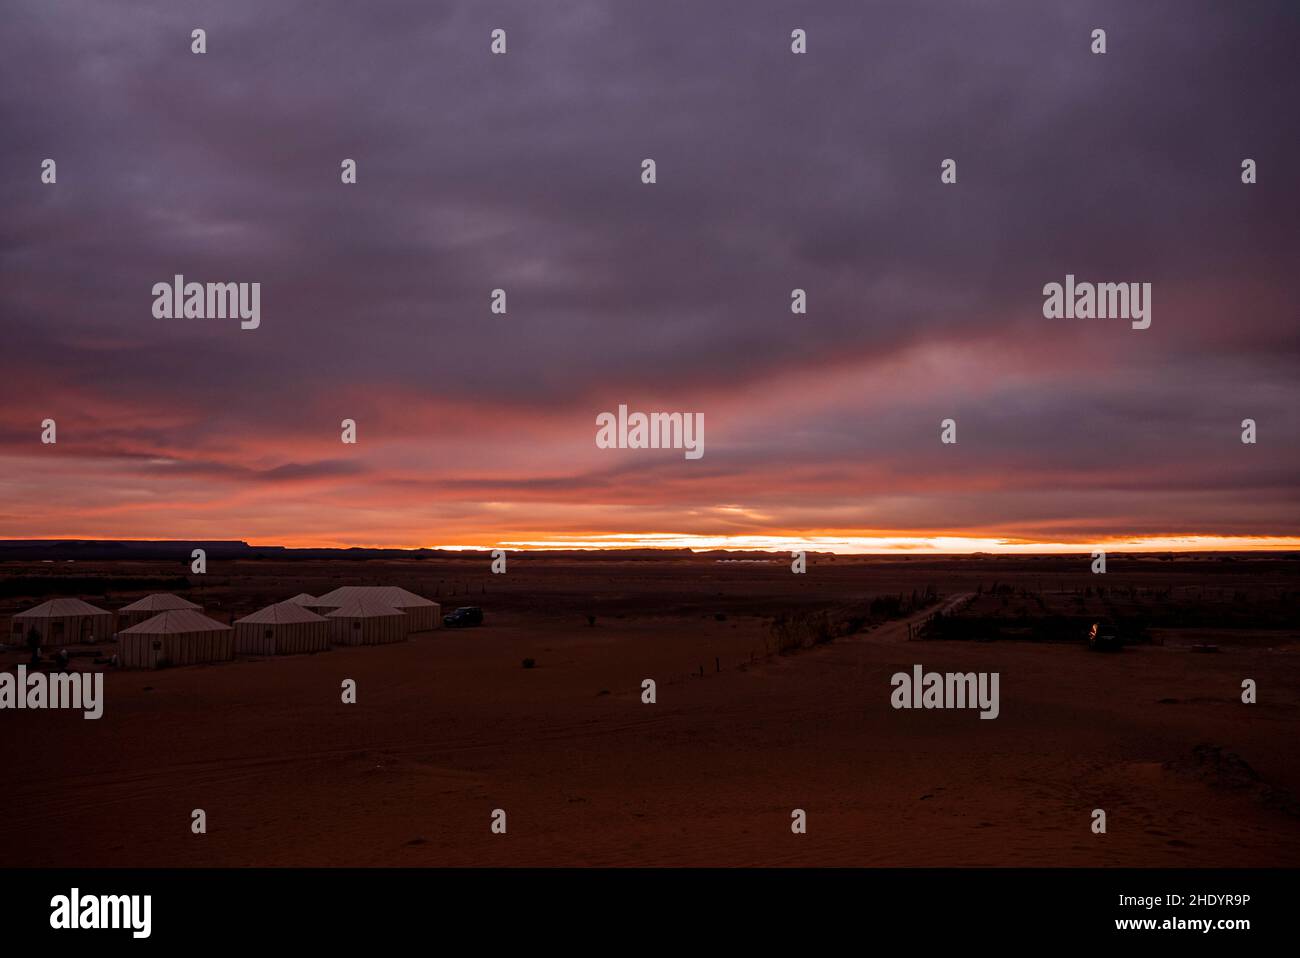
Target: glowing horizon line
838, 545
891, 545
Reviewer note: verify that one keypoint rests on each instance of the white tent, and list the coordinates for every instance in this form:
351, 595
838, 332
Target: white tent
284, 628
62, 622
366, 621
321, 606
302, 598
151, 605
421, 614
178, 637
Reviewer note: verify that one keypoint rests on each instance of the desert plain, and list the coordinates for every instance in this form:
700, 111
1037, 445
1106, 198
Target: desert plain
450, 725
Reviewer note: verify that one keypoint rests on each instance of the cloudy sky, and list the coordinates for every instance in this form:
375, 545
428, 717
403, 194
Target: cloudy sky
775, 171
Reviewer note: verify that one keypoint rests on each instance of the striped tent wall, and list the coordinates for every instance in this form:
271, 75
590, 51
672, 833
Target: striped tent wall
62, 630
281, 638
422, 618
367, 629
146, 651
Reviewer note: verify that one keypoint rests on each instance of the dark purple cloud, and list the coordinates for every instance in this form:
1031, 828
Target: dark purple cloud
775, 171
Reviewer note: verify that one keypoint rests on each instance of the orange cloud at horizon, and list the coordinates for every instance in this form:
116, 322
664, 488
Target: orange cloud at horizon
936, 545
805, 464
915, 545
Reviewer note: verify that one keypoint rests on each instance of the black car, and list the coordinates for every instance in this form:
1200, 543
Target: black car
1103, 636
463, 618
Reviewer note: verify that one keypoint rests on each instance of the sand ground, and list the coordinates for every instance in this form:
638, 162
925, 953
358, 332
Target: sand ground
449, 726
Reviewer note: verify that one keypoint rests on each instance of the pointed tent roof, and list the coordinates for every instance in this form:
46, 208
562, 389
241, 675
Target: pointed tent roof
159, 602
281, 613
390, 595
176, 621
364, 607
324, 601
302, 598
61, 608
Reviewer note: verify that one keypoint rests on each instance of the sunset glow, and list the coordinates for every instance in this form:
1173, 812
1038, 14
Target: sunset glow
934, 545
821, 430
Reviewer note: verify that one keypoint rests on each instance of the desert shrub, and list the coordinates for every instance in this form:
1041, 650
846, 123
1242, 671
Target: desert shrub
886, 606
801, 630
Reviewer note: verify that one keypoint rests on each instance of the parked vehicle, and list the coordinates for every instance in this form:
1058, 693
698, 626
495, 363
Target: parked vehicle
463, 618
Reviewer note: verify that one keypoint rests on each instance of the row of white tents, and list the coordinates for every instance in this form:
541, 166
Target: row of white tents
166, 629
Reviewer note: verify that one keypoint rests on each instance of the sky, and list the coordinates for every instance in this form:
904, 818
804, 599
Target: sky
775, 171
